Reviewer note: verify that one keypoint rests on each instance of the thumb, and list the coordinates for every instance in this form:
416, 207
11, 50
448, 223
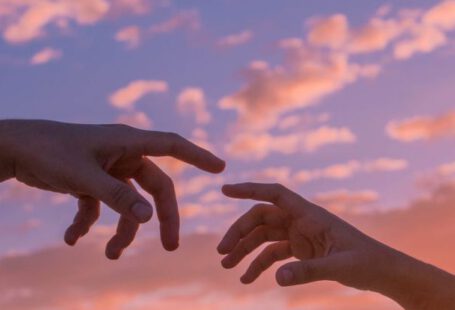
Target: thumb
312, 270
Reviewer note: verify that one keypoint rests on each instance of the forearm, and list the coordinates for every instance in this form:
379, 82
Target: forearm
415, 285
6, 158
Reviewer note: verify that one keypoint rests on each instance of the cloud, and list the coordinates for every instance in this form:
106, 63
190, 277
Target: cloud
250, 145
409, 31
274, 174
130, 36
447, 169
192, 101
346, 201
24, 21
198, 210
200, 137
441, 15
351, 168
424, 40
328, 32
126, 97
185, 20
136, 119
197, 184
235, 39
422, 128
45, 55
173, 167
328, 135
304, 79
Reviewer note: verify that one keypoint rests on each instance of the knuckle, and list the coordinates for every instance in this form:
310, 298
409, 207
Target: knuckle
123, 127
244, 248
279, 188
257, 209
120, 194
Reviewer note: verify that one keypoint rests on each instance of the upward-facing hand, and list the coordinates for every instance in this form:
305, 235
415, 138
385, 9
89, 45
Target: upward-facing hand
327, 248
96, 163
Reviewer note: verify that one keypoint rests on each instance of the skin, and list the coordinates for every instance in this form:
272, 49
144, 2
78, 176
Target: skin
96, 163
326, 248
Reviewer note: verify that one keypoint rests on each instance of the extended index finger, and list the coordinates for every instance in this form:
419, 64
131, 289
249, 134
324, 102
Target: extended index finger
172, 144
276, 194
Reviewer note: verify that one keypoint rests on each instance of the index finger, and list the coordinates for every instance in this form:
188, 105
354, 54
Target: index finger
276, 194
172, 144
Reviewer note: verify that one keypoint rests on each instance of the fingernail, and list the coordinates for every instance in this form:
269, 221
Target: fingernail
285, 277
142, 212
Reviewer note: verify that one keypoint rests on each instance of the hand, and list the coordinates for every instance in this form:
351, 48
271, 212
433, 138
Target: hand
327, 248
96, 163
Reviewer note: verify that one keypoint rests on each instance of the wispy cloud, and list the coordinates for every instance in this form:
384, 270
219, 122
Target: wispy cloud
136, 119
45, 56
259, 145
235, 39
184, 20
130, 36
422, 127
127, 96
28, 20
346, 201
351, 168
191, 101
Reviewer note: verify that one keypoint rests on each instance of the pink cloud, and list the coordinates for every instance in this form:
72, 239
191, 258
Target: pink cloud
409, 31
29, 20
346, 201
305, 77
197, 184
422, 128
250, 145
441, 15
130, 36
191, 101
127, 96
198, 210
136, 119
185, 20
329, 32
351, 168
46, 55
235, 39
447, 169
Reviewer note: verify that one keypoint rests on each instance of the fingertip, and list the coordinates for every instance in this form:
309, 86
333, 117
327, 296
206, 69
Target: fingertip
142, 212
246, 280
221, 251
284, 277
70, 237
226, 189
219, 166
227, 263
224, 247
171, 247
113, 254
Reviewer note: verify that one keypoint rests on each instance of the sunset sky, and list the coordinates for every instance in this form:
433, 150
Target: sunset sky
350, 103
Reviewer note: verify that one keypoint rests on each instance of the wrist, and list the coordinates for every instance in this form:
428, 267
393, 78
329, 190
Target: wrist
6, 156
414, 284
